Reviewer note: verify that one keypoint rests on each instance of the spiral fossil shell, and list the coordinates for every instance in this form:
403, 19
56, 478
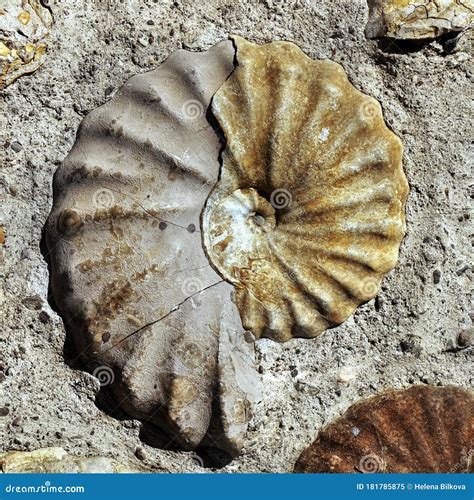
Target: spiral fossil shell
308, 213
158, 264
129, 274
420, 429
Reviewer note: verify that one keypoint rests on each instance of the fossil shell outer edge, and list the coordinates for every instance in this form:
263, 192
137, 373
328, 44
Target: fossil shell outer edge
129, 274
417, 19
420, 429
308, 213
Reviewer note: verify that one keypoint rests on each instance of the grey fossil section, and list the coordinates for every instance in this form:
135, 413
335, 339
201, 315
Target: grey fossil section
146, 311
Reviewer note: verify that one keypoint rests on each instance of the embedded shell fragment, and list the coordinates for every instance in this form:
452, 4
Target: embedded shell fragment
308, 213
57, 460
418, 19
420, 429
24, 29
129, 274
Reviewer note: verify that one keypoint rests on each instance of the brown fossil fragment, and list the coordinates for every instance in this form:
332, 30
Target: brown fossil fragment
418, 19
308, 213
420, 429
146, 311
24, 30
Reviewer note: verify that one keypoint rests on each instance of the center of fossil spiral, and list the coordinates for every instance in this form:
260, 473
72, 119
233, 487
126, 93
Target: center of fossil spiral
236, 230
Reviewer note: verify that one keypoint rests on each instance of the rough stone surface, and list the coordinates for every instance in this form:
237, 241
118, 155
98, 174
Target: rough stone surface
94, 48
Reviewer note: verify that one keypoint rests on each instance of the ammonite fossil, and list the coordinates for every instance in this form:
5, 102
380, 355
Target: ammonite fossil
161, 259
420, 429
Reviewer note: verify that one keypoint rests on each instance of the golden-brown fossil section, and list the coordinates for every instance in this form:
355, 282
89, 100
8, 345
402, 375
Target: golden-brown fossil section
308, 214
420, 429
418, 19
24, 29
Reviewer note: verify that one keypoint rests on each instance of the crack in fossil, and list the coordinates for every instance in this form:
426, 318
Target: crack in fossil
151, 323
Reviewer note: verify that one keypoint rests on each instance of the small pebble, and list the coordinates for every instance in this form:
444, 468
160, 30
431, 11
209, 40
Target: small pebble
16, 146
16, 421
4, 411
33, 302
411, 344
346, 374
466, 338
44, 317
140, 453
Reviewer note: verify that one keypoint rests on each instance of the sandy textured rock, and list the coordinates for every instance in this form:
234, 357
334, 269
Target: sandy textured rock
420, 429
56, 460
406, 335
129, 274
308, 213
24, 30
418, 19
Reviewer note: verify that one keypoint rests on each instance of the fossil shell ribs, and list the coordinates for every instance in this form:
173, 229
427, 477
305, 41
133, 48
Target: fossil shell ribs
308, 214
129, 273
420, 429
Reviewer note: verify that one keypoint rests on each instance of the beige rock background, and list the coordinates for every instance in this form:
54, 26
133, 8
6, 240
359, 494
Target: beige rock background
415, 331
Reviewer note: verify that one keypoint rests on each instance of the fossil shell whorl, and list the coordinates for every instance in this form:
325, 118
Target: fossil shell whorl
129, 273
420, 429
308, 214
